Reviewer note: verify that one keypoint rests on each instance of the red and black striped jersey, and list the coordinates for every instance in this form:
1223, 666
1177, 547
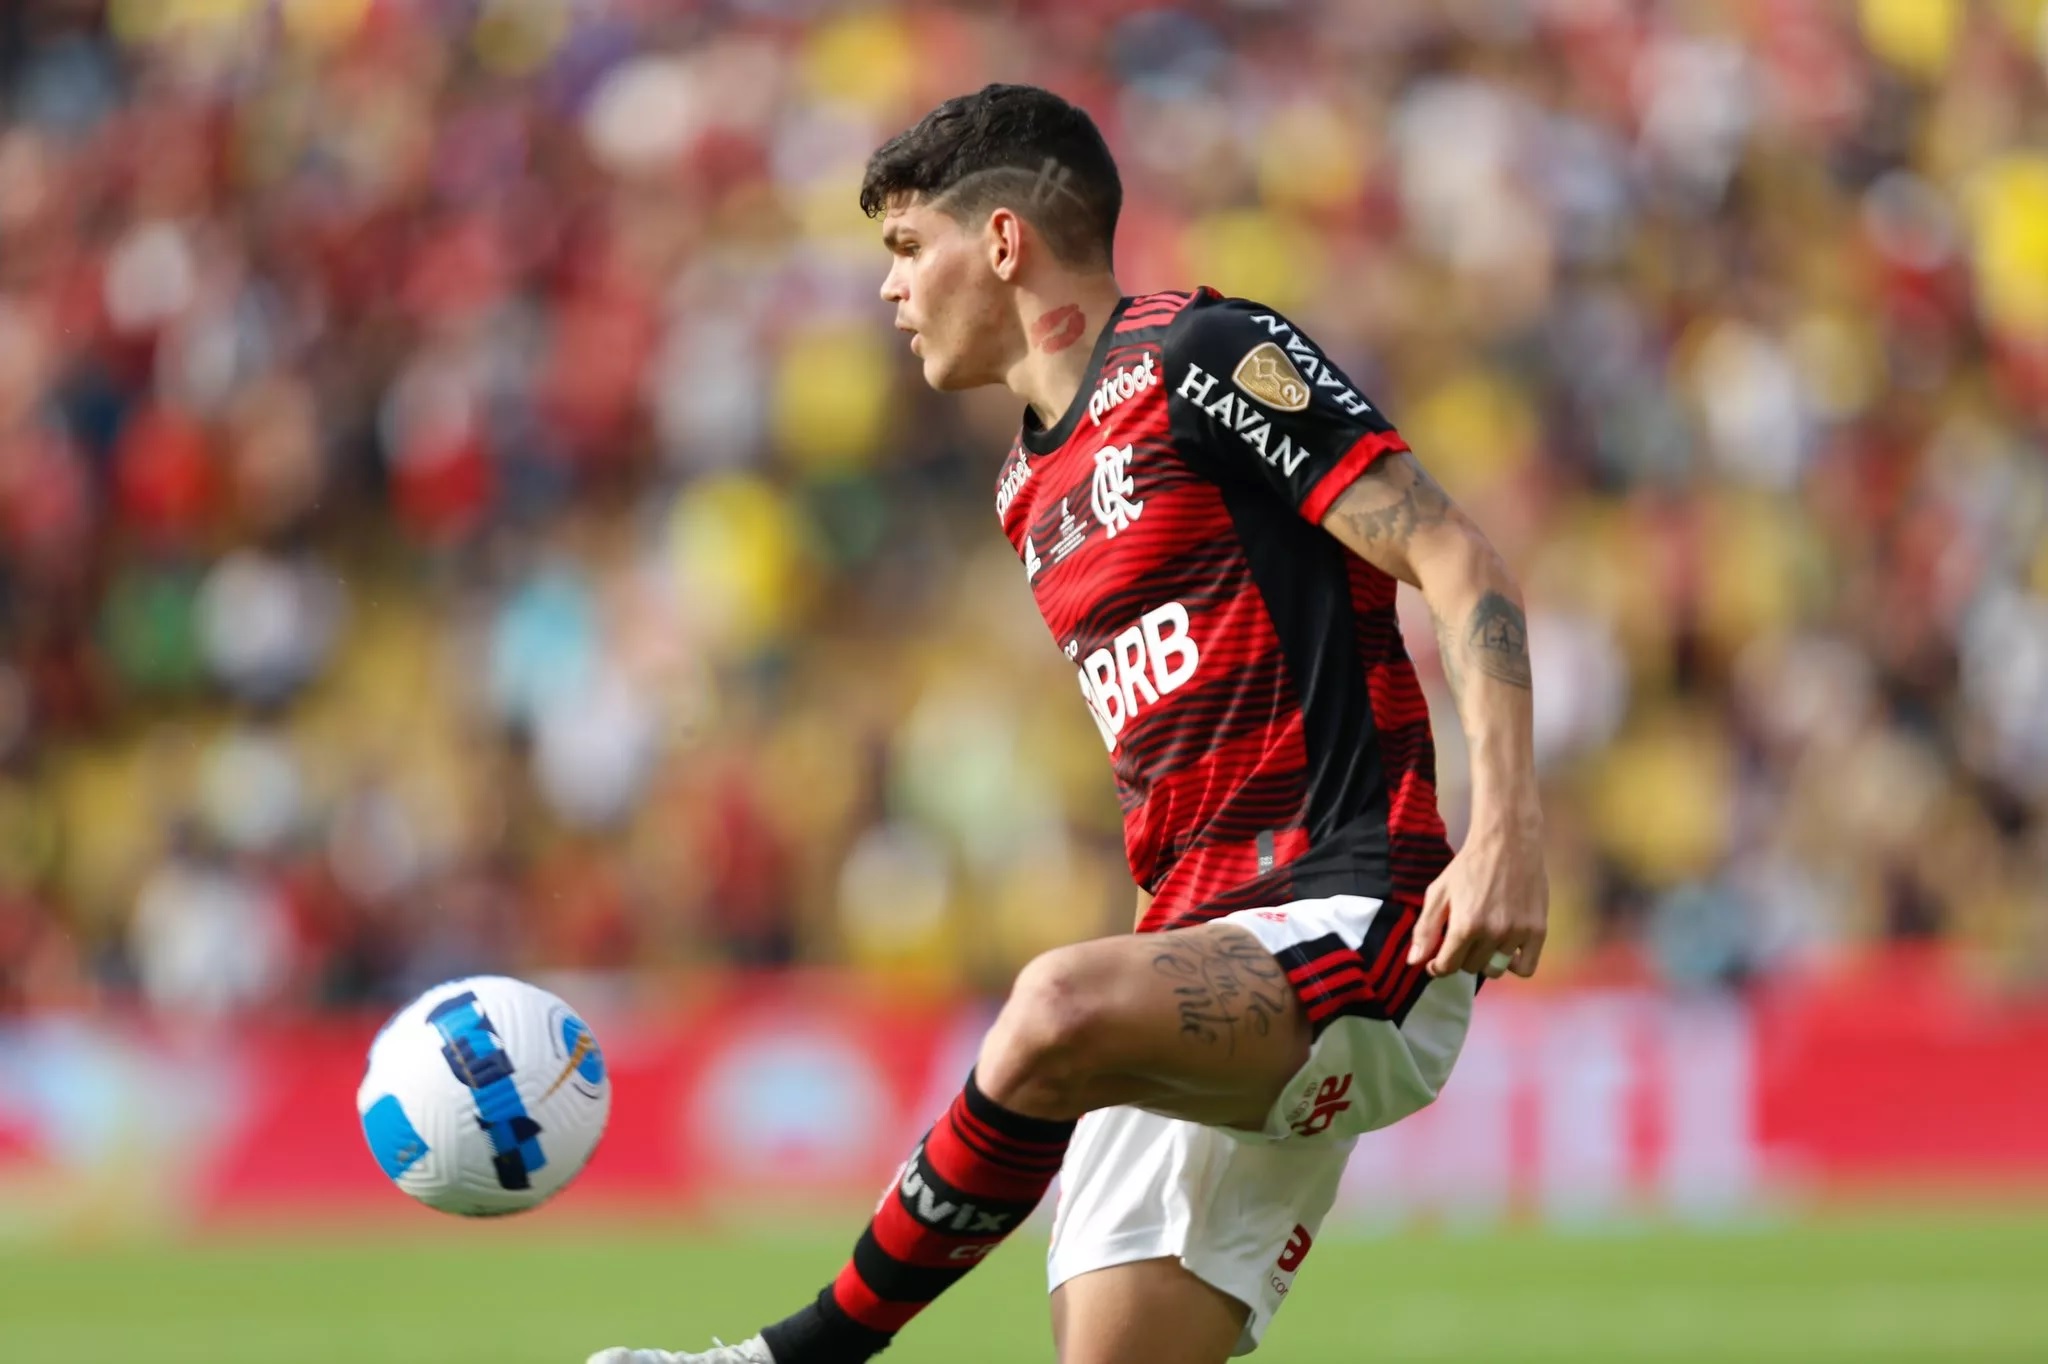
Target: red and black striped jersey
1269, 737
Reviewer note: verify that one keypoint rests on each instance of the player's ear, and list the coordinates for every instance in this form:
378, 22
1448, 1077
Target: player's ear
1004, 240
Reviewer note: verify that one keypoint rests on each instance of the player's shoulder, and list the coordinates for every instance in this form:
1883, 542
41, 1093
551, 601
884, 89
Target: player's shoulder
1146, 318
1256, 349
1210, 320
1179, 318
1219, 316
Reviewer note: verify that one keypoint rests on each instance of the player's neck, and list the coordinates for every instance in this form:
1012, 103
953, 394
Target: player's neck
1060, 330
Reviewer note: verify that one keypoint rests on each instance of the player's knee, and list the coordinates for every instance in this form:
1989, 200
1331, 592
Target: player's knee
1048, 1030
1058, 1006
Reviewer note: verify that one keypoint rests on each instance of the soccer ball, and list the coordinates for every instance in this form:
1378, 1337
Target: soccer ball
484, 1096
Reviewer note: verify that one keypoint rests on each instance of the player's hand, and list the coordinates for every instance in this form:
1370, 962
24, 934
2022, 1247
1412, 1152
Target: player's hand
1494, 898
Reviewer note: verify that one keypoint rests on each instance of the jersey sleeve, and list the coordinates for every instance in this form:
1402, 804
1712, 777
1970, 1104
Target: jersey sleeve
1262, 399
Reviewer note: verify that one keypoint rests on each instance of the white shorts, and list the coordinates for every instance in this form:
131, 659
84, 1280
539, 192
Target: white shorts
1240, 1210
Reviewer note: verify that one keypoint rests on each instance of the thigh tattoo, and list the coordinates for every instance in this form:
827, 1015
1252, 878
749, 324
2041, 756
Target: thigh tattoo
1224, 983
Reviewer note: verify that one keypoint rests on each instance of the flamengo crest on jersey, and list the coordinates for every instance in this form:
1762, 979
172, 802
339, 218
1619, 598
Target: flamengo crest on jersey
1111, 496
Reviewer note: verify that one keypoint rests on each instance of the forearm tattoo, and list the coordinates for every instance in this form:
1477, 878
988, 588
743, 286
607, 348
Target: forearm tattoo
1498, 636
1393, 502
1225, 985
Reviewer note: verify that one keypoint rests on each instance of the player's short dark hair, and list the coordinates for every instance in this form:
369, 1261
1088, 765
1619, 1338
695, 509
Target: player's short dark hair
1007, 146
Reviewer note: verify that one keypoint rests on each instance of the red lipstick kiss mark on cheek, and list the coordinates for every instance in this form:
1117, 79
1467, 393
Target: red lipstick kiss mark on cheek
1058, 329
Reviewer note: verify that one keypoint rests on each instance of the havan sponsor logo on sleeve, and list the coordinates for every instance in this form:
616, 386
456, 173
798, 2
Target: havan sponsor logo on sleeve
1299, 353
1246, 418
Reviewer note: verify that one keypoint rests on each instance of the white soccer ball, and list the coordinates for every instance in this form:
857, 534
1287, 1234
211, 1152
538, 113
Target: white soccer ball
484, 1096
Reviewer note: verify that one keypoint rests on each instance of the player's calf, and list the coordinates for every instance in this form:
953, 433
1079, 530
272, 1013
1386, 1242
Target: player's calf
976, 1176
1198, 1023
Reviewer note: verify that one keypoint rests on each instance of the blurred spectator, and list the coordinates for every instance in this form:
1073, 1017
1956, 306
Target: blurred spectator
208, 936
455, 470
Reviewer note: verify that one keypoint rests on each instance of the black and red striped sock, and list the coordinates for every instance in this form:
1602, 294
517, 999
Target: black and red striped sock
973, 1180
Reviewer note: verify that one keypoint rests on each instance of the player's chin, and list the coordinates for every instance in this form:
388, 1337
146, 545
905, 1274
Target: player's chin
950, 374
944, 375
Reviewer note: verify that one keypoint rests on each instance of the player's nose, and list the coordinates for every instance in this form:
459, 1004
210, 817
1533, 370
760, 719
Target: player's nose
894, 290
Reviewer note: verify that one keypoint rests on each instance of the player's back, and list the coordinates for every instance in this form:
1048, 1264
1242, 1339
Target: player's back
1269, 737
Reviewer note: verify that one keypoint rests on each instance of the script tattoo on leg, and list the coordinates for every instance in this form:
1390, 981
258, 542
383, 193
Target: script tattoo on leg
1225, 985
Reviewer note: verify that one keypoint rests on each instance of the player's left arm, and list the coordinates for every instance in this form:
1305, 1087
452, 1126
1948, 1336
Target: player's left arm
1494, 897
1267, 406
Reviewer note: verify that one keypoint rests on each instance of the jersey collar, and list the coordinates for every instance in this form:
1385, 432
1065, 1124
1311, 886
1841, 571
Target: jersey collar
1041, 440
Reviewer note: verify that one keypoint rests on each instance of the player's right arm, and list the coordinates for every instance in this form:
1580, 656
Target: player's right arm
1494, 897
1271, 408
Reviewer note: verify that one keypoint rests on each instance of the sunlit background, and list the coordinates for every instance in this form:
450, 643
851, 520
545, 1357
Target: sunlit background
463, 508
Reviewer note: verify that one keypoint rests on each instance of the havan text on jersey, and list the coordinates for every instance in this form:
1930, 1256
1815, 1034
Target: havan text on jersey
1241, 415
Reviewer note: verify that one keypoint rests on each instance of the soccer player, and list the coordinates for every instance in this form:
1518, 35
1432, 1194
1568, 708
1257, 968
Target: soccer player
1213, 520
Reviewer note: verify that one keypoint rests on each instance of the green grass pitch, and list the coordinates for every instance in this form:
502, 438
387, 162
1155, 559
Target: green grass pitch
1926, 1286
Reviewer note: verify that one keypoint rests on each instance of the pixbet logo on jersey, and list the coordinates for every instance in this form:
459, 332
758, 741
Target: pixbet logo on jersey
1151, 659
1014, 479
1120, 387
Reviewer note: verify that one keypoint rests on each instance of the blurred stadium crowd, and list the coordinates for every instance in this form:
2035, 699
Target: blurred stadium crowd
462, 505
